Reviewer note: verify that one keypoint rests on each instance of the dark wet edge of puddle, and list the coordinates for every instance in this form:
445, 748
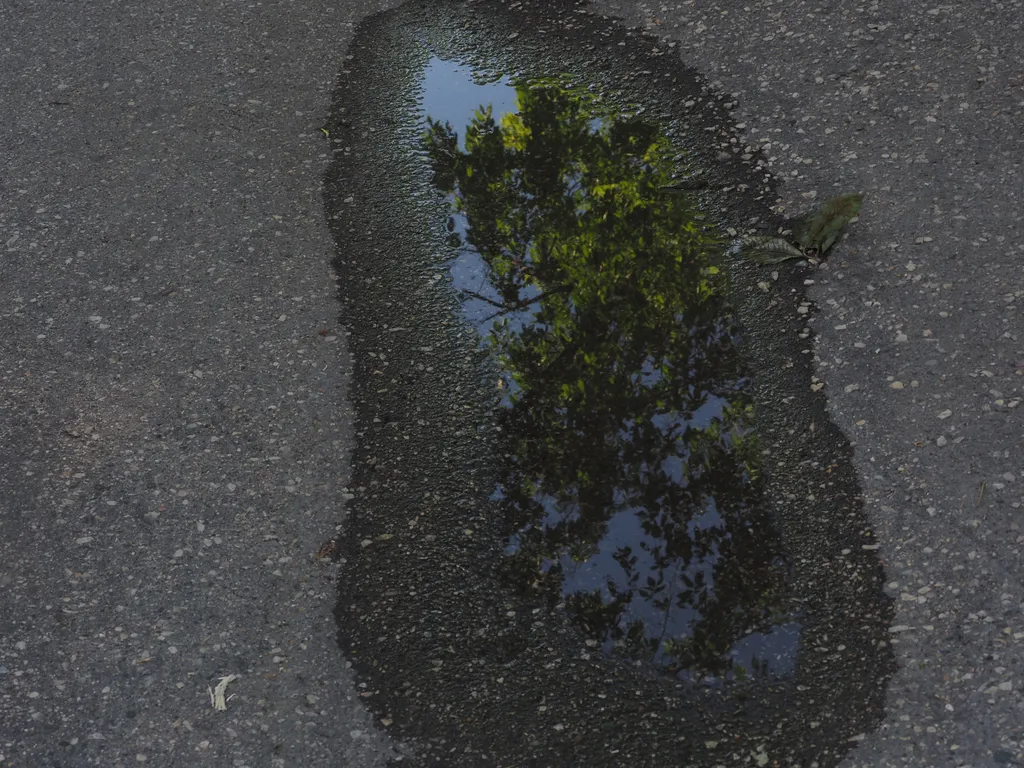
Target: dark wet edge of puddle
463, 670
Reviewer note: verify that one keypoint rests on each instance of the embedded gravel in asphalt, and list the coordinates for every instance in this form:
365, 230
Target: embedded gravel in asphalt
174, 431
919, 105
173, 424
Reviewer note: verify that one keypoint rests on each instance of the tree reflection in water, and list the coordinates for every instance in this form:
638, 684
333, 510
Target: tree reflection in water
631, 478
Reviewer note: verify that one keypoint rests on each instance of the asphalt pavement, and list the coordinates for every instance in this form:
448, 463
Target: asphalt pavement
919, 339
174, 427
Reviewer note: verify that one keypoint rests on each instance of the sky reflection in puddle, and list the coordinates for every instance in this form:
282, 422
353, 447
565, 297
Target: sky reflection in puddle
631, 481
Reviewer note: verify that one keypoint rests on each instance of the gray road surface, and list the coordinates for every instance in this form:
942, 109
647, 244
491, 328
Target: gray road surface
921, 105
173, 428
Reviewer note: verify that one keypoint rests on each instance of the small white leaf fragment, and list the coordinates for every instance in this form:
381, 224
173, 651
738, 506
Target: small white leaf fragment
217, 694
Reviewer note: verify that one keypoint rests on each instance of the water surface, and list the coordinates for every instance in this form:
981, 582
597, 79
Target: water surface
630, 481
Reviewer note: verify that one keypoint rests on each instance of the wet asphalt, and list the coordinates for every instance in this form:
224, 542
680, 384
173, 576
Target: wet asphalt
468, 666
176, 425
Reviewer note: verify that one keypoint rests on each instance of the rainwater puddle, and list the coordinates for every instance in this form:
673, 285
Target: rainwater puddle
594, 511
630, 485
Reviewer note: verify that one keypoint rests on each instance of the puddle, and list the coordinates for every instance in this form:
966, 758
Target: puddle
595, 513
631, 479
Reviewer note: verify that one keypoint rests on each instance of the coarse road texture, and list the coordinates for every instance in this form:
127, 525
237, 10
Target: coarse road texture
172, 423
173, 430
921, 347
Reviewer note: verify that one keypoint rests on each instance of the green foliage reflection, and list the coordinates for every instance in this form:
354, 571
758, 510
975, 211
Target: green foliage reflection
632, 479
